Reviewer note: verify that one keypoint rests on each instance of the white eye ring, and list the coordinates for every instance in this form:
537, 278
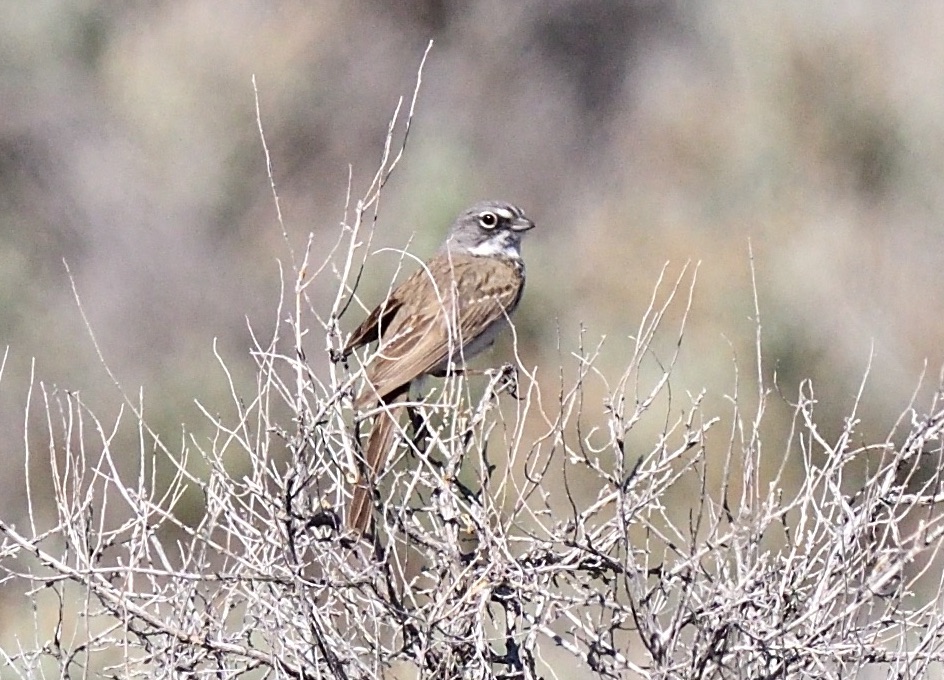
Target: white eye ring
488, 219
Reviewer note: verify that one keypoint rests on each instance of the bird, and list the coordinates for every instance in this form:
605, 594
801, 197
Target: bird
450, 309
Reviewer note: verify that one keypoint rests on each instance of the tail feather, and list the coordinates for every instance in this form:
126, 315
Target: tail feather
378, 448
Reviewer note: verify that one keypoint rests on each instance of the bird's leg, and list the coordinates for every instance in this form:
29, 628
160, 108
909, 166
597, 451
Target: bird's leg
340, 356
420, 425
506, 380
455, 372
506, 374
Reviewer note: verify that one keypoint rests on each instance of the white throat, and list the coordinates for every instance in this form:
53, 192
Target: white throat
498, 247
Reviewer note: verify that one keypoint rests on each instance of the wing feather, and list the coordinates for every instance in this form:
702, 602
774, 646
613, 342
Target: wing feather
373, 326
417, 337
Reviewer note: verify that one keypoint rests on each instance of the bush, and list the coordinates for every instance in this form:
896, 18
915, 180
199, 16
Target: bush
521, 532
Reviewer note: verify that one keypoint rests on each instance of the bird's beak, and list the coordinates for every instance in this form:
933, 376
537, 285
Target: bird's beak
522, 224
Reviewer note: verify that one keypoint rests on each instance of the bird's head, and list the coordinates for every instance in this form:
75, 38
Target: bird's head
489, 229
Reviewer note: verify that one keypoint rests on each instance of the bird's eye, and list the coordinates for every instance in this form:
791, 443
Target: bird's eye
488, 219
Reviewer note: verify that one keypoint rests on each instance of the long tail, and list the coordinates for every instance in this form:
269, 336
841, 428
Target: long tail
378, 448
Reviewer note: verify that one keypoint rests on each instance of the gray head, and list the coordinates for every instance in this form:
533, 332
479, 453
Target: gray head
489, 229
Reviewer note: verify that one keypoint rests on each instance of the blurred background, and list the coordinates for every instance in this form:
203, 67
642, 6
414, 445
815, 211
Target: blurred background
634, 133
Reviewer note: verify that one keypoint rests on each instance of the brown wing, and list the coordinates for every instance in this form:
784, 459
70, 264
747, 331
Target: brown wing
373, 326
417, 338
